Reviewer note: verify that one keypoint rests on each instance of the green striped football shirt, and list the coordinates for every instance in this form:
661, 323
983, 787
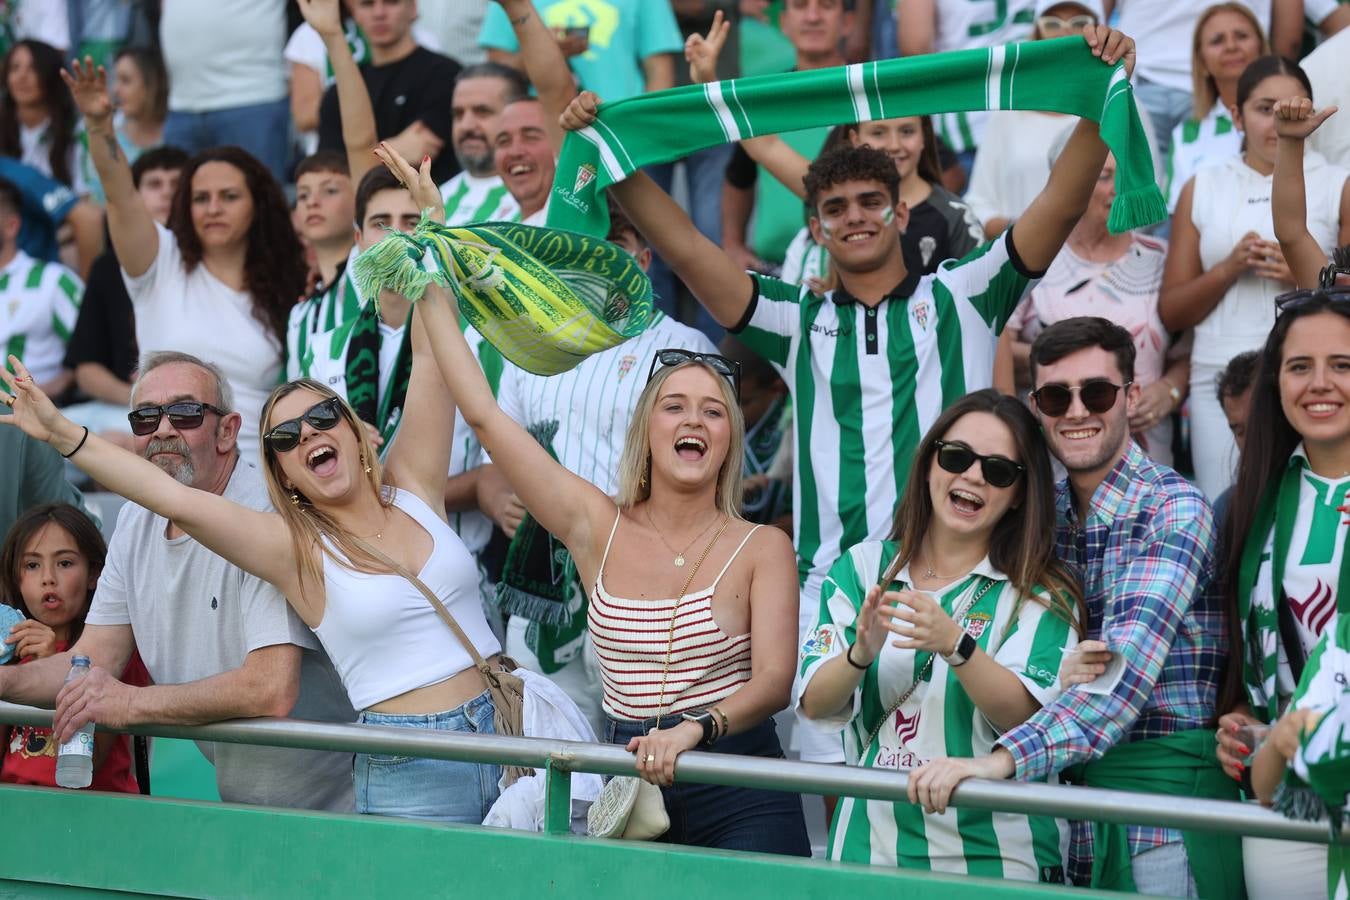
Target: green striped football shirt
39, 302
469, 200
867, 383
319, 315
1196, 143
938, 719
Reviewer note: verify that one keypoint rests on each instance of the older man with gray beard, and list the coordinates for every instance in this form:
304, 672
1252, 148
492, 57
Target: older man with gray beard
218, 642
477, 194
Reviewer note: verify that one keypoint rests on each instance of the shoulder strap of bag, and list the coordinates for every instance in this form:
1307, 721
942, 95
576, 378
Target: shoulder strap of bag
481, 664
918, 679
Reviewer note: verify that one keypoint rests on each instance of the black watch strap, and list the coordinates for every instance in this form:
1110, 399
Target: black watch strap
705, 719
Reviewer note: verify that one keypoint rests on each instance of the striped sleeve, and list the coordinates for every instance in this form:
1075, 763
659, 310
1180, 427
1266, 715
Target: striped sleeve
773, 320
841, 596
66, 292
1034, 648
297, 343
988, 282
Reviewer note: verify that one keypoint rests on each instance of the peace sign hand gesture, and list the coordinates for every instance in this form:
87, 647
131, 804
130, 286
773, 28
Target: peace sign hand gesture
88, 84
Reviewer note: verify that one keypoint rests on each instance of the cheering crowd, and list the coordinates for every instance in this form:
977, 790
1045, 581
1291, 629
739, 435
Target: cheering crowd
997, 425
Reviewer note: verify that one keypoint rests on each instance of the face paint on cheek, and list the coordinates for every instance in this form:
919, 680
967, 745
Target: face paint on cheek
888, 215
826, 231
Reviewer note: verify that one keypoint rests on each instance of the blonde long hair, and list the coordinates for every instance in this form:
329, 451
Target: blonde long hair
1204, 90
635, 464
308, 525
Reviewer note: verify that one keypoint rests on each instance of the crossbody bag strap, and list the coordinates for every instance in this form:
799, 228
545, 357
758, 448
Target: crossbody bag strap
436, 604
918, 679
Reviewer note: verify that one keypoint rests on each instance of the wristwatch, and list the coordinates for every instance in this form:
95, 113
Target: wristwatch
705, 719
961, 654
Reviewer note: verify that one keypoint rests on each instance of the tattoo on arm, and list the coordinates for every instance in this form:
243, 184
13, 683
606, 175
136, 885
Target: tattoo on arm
110, 143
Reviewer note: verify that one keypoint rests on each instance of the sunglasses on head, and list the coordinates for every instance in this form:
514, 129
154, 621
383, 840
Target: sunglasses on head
286, 435
1327, 292
999, 471
1097, 395
184, 415
1051, 25
674, 356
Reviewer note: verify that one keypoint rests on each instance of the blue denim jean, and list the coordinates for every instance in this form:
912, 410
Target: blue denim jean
436, 790
1166, 107
263, 129
724, 817
1164, 872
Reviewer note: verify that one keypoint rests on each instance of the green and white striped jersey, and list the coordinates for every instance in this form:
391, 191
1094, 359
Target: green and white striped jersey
867, 383
938, 719
39, 302
804, 259
1195, 143
336, 304
469, 200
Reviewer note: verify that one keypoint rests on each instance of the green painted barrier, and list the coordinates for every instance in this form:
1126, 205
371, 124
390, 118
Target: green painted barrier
92, 842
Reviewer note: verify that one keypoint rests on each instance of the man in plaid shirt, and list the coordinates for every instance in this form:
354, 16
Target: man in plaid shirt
1142, 540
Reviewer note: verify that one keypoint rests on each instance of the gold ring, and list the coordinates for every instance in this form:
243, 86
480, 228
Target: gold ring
651, 758
9, 400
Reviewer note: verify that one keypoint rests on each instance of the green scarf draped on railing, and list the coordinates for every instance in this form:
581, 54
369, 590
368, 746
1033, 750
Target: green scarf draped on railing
545, 298
1058, 75
1180, 765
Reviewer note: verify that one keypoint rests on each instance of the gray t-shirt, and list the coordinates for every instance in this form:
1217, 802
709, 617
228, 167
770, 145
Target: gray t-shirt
195, 615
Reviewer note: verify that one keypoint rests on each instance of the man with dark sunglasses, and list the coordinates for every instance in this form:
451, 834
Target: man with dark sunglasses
1142, 540
218, 642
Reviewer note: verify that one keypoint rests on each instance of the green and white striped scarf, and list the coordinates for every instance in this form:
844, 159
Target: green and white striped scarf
545, 298
1058, 75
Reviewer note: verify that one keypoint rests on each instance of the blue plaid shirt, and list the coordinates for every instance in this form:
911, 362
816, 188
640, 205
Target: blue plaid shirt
1145, 555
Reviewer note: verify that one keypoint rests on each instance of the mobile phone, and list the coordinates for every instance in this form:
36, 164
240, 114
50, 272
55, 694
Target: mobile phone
578, 31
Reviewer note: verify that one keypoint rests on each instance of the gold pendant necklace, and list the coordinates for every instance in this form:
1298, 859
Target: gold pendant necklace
679, 554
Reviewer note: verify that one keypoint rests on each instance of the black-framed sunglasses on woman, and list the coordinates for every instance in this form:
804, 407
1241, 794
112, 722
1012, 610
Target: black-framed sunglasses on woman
999, 471
185, 415
286, 435
1327, 291
1098, 396
729, 369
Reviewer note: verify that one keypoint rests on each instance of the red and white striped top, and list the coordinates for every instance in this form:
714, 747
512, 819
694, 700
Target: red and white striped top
630, 638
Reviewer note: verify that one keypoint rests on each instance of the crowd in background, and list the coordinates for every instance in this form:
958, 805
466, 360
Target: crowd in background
1131, 451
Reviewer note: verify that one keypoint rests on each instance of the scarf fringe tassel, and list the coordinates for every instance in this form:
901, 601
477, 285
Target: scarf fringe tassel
1136, 208
521, 603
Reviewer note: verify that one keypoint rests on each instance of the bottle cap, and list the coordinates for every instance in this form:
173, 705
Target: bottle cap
79, 661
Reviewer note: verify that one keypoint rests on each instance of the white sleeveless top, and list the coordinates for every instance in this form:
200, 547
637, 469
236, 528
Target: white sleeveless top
1230, 199
631, 639
383, 636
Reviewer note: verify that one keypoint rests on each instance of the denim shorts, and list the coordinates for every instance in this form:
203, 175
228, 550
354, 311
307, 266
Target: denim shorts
436, 790
725, 817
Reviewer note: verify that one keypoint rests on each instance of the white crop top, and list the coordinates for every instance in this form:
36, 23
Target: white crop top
383, 636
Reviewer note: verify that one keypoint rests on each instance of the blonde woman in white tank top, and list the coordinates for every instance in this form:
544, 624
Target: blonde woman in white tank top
1225, 267
329, 490
674, 531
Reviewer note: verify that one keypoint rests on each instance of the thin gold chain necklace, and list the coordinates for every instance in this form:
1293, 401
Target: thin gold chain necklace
679, 554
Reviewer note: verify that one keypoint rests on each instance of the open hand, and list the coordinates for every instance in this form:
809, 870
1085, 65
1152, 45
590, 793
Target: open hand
1296, 118
31, 638
919, 622
663, 747
1111, 46
702, 52
581, 112
418, 181
870, 629
88, 84
32, 411
324, 16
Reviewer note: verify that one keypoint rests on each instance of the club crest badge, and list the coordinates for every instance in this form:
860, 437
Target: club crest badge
585, 175
920, 311
819, 643
906, 727
626, 365
976, 623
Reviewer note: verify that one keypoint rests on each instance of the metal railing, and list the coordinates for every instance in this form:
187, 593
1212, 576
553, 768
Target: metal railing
560, 758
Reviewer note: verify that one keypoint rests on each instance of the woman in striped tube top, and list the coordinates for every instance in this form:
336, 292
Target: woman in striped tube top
693, 610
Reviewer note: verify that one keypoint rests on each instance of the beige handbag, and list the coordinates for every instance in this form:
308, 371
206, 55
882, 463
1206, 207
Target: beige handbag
508, 691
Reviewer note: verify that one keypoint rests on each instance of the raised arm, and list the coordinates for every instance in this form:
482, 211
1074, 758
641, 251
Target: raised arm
720, 285
254, 541
544, 63
916, 26
1295, 119
134, 237
358, 116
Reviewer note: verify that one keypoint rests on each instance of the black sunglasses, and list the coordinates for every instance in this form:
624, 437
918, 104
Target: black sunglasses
1326, 293
1097, 395
286, 435
674, 356
184, 415
999, 471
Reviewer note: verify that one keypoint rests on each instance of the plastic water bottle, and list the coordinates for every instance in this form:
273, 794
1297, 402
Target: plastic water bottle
75, 759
